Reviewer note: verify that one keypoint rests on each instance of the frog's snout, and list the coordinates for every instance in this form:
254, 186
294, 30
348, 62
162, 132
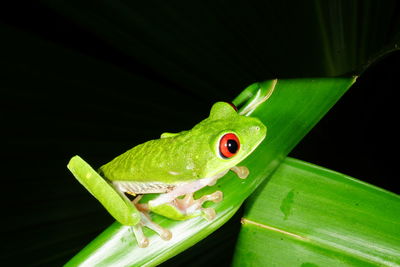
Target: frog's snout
259, 130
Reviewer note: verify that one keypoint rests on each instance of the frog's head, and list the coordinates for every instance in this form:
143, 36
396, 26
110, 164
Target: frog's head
230, 138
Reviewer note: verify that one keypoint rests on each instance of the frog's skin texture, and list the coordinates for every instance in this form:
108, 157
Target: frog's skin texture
186, 156
179, 164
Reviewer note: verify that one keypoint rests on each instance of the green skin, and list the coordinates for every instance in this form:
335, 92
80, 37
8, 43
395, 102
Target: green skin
174, 165
188, 155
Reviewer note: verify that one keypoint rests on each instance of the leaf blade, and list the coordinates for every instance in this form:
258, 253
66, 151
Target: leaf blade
310, 215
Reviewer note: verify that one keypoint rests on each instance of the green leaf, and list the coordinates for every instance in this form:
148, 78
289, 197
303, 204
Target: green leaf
310, 216
293, 109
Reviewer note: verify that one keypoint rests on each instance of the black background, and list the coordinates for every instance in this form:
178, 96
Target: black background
358, 136
75, 84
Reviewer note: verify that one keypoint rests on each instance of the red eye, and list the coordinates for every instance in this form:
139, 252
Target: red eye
229, 145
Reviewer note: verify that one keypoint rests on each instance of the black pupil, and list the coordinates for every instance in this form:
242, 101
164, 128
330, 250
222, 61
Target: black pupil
232, 146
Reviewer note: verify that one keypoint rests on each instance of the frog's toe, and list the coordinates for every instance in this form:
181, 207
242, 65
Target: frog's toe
140, 237
209, 214
165, 234
145, 221
189, 207
216, 197
241, 171
143, 243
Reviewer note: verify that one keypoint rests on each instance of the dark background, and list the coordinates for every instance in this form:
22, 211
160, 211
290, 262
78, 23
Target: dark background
358, 136
96, 79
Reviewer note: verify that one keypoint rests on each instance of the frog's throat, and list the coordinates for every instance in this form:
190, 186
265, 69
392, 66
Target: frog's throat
185, 188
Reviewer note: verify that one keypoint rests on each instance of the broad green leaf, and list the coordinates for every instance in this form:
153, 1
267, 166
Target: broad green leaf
293, 109
310, 216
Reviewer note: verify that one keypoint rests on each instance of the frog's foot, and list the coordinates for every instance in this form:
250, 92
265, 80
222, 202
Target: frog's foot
145, 221
189, 205
184, 189
241, 171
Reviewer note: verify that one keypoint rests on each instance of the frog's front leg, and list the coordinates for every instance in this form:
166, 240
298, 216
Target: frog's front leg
191, 206
185, 188
241, 171
188, 207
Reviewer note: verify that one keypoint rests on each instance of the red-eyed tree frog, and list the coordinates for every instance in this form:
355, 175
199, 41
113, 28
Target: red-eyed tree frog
175, 166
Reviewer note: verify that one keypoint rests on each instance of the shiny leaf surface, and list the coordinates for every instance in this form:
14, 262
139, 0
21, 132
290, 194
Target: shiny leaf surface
307, 215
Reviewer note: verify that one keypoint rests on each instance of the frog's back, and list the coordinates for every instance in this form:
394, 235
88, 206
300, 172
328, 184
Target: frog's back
160, 160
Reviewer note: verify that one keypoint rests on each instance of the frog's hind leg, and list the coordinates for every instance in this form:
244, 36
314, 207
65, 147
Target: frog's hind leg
189, 205
146, 221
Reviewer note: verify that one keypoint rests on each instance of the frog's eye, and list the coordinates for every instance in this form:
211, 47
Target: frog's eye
228, 145
233, 106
